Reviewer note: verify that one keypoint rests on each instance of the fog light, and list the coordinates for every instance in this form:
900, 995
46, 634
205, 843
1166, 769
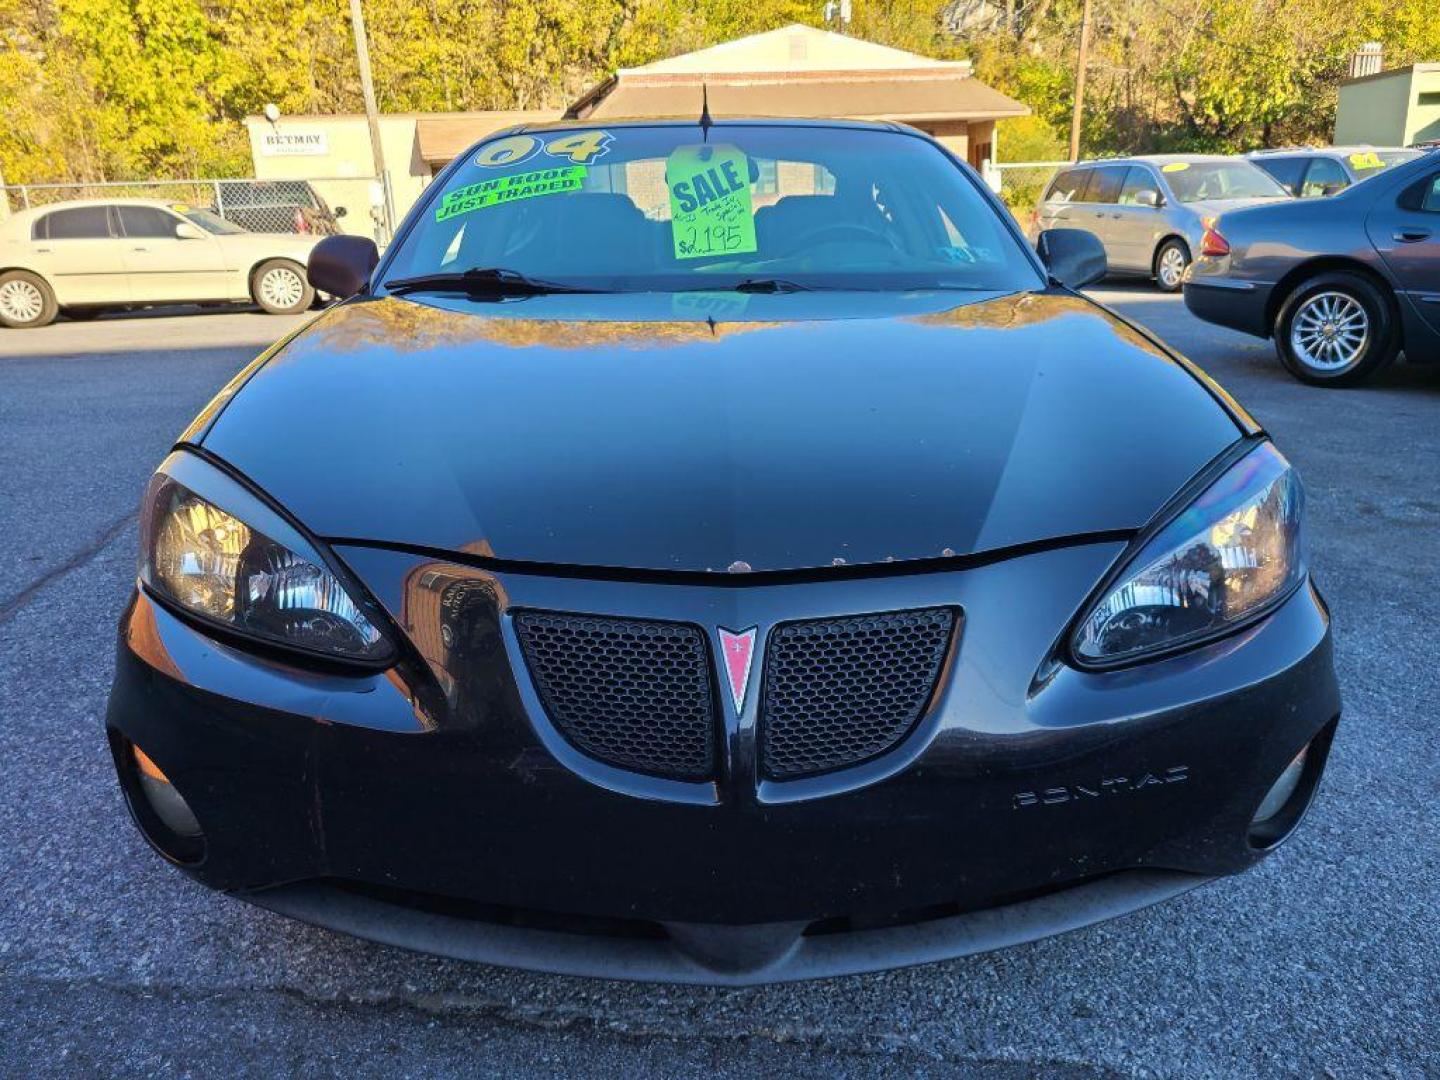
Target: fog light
1282, 789
169, 805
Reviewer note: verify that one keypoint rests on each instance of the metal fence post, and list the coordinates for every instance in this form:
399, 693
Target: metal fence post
219, 202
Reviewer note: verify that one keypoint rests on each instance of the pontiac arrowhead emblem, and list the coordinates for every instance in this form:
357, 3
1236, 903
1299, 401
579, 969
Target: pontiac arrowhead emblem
739, 650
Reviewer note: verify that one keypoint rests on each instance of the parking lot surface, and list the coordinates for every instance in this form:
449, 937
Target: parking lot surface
1322, 962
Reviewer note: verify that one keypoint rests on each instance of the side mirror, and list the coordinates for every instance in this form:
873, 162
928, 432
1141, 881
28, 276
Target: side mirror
1074, 257
340, 211
1147, 198
185, 231
342, 265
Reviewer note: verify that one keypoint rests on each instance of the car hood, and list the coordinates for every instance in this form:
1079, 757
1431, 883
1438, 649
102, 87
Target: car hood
704, 432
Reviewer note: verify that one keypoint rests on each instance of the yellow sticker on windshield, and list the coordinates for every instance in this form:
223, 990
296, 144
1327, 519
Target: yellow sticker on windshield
504, 189
710, 209
1367, 160
1175, 166
180, 208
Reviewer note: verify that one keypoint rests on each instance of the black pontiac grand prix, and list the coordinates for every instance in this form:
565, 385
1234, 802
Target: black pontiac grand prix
718, 552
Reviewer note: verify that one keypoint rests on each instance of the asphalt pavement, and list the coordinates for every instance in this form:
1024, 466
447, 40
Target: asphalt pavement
1322, 962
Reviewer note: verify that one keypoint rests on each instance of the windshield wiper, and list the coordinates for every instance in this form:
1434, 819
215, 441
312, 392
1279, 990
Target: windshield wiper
483, 281
753, 285
770, 285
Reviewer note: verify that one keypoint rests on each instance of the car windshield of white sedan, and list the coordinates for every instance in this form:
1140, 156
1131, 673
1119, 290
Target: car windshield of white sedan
211, 223
671, 208
1197, 181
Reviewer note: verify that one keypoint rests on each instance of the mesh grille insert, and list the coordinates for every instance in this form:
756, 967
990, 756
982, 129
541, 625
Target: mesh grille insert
632, 693
841, 691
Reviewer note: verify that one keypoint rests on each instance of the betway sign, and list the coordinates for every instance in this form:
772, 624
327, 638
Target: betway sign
294, 144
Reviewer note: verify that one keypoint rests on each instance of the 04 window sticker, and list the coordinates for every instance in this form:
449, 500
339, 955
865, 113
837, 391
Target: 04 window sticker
581, 147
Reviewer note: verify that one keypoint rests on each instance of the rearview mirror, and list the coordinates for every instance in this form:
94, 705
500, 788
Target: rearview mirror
1074, 257
1147, 198
342, 265
185, 231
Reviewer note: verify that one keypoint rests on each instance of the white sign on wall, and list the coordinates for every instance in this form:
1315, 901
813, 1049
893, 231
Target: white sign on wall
294, 143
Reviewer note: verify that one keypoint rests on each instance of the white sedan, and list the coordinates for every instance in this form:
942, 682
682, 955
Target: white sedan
85, 257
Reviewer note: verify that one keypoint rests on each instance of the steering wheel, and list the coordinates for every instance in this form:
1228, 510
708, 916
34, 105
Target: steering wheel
840, 229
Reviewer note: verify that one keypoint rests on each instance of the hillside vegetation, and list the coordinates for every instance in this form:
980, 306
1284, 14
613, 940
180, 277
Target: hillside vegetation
124, 89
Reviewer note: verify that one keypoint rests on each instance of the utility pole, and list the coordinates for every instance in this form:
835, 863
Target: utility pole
372, 114
1080, 64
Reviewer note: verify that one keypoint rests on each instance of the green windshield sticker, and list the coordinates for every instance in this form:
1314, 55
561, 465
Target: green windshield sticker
710, 211
503, 189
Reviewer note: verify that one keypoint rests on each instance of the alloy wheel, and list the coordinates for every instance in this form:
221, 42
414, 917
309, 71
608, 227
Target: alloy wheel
281, 287
1172, 267
1330, 331
21, 301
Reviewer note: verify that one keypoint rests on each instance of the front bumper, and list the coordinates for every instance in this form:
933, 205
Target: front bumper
431, 806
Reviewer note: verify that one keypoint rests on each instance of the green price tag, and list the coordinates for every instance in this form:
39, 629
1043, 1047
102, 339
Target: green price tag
710, 211
502, 189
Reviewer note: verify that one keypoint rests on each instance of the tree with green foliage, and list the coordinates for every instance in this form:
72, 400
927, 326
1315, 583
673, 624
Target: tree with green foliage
122, 89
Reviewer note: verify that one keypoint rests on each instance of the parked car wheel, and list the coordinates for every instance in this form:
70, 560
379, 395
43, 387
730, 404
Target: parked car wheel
26, 300
1171, 259
1336, 329
279, 286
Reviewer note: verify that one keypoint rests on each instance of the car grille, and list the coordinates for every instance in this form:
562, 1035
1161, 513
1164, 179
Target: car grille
632, 693
838, 692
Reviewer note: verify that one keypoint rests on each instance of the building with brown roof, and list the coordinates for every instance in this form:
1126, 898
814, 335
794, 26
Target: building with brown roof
795, 71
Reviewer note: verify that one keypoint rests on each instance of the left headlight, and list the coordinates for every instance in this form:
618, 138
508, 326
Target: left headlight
1234, 551
256, 576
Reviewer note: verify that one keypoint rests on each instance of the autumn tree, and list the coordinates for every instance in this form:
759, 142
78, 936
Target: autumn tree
107, 89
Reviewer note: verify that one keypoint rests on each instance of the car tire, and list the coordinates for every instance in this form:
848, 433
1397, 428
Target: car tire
280, 288
1336, 329
1171, 259
26, 301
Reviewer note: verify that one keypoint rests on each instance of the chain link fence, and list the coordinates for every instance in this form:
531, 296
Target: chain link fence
320, 206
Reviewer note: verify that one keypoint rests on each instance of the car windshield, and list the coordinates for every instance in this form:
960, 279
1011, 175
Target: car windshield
1369, 162
211, 223
672, 207
1196, 181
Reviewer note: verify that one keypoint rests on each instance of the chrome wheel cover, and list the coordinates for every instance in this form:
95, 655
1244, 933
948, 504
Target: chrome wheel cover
1330, 332
281, 287
21, 301
1172, 267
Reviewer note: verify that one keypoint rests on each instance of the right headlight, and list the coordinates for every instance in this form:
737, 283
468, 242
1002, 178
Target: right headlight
1231, 553
228, 559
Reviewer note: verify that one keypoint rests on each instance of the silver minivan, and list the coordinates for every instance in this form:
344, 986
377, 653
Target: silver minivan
1150, 212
